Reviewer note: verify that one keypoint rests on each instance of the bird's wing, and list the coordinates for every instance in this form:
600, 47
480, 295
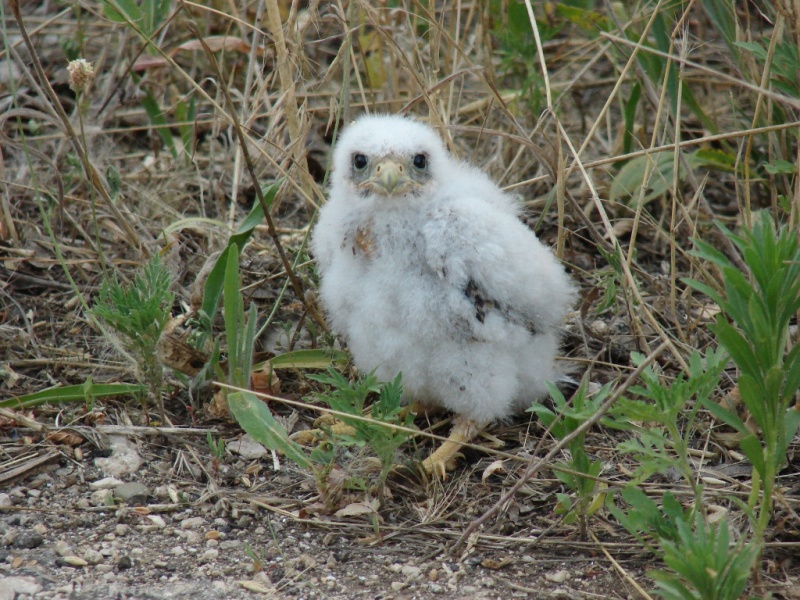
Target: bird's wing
497, 263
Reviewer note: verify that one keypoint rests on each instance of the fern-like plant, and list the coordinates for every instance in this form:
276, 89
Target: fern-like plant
139, 312
757, 310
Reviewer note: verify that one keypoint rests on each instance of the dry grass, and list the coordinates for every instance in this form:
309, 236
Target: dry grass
89, 188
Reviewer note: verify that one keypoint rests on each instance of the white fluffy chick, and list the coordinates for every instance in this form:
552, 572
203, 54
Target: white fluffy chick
427, 270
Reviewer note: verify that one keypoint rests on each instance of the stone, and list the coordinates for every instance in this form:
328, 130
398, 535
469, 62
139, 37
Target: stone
411, 572
71, 561
558, 576
133, 493
124, 459
103, 497
247, 447
10, 587
107, 483
28, 540
209, 555
63, 548
192, 523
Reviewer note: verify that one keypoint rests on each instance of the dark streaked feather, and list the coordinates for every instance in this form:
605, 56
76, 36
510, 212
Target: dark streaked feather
484, 304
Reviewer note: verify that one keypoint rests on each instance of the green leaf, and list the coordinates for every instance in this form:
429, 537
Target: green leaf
213, 287
753, 47
710, 253
791, 422
589, 20
630, 179
737, 346
234, 313
73, 393
240, 331
256, 419
780, 167
118, 10
728, 417
629, 113
159, 121
752, 448
715, 159
307, 359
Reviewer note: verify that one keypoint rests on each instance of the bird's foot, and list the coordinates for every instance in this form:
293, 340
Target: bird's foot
323, 427
443, 459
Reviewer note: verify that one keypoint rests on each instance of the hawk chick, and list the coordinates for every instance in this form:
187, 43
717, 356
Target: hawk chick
427, 270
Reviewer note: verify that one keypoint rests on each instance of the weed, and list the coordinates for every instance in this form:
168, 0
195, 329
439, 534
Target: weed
663, 444
378, 432
252, 414
704, 563
707, 567
754, 328
217, 450
145, 17
139, 312
579, 473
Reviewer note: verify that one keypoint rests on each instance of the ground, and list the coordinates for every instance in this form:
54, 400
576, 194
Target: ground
102, 498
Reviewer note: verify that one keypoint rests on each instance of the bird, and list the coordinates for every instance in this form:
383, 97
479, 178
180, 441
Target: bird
426, 269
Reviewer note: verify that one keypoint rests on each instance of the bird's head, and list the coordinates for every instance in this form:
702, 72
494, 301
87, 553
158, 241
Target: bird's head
388, 157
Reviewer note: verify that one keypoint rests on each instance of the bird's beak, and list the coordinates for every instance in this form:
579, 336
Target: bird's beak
388, 177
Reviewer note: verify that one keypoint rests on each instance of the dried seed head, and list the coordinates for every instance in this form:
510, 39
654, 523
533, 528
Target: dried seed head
81, 73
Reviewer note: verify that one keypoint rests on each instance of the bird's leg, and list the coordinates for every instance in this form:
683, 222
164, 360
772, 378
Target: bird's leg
463, 431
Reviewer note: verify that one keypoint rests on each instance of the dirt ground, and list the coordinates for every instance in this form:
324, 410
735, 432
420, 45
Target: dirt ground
223, 540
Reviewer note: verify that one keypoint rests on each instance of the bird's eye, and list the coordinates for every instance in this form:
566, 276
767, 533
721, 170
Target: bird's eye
420, 161
359, 162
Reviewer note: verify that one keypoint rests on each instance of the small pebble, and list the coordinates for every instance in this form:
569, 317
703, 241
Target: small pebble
157, 521
103, 497
557, 577
20, 585
209, 555
71, 561
63, 548
411, 572
133, 493
192, 522
28, 540
106, 483
93, 557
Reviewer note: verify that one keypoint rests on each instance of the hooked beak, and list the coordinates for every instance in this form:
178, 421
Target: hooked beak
388, 177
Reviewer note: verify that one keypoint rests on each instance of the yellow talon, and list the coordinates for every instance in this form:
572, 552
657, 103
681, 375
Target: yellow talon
443, 459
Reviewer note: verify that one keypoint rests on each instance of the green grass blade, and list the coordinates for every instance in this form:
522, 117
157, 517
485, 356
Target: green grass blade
72, 393
307, 359
213, 286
